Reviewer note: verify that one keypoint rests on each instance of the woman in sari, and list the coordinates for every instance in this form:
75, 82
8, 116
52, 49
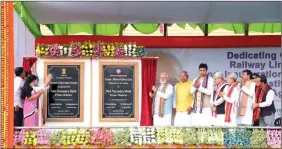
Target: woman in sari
30, 94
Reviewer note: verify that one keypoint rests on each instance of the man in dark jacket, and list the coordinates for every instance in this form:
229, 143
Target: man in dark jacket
265, 102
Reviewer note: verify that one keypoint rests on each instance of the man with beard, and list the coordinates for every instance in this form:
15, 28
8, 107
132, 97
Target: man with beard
162, 102
264, 108
246, 99
183, 101
202, 90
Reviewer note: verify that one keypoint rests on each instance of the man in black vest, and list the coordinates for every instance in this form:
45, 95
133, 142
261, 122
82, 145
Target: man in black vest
218, 103
265, 102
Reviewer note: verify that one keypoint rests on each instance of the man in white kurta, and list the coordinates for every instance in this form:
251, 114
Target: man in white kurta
218, 105
231, 99
246, 99
202, 90
162, 102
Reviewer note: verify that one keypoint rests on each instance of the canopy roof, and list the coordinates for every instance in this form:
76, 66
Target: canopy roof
108, 18
161, 12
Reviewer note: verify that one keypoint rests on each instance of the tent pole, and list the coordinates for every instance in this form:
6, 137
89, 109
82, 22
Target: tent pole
121, 29
206, 30
165, 29
246, 29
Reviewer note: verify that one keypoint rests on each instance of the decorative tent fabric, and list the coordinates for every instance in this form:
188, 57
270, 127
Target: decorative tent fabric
145, 28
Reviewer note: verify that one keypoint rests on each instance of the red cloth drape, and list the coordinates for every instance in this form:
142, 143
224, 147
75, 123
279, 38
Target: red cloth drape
28, 63
149, 70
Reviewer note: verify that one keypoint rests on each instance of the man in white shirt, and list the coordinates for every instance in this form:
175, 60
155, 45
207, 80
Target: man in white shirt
218, 105
162, 102
246, 99
202, 90
265, 105
18, 103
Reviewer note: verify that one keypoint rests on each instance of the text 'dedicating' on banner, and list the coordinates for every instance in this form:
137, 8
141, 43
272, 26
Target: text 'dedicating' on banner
64, 101
118, 92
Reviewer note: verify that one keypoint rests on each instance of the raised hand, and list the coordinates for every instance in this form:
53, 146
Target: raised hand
151, 95
154, 88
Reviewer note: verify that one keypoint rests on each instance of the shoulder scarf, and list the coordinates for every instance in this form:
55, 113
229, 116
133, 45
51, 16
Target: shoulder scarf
218, 88
204, 85
259, 95
244, 101
228, 106
162, 102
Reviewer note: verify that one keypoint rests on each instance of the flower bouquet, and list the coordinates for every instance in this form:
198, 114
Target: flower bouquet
122, 138
75, 49
98, 50
55, 138
19, 137
237, 138
65, 50
161, 135
274, 138
55, 50
43, 137
130, 49
258, 139
78, 137
102, 137
140, 51
109, 50
142, 136
87, 49
119, 51
189, 137
30, 138
42, 50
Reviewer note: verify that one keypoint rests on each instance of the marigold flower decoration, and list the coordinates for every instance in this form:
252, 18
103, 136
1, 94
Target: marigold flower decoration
109, 50
87, 49
42, 50
30, 138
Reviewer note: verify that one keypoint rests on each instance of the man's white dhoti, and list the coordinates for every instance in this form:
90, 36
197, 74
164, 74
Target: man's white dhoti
182, 119
162, 121
233, 122
202, 119
219, 120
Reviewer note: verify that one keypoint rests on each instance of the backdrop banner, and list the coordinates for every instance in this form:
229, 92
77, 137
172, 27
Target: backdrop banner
260, 60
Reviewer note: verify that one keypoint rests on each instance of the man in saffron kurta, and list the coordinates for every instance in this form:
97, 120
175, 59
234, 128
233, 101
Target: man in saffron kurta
202, 90
182, 101
162, 102
246, 99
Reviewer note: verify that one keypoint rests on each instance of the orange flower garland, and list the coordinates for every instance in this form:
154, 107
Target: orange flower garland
7, 64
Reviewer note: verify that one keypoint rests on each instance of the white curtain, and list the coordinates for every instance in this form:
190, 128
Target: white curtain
23, 41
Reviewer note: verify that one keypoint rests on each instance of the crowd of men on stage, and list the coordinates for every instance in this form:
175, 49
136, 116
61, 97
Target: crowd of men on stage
207, 101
